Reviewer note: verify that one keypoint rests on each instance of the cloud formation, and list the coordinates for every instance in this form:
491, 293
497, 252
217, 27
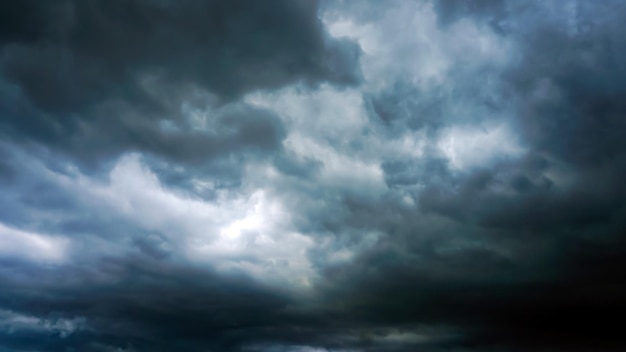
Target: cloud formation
312, 176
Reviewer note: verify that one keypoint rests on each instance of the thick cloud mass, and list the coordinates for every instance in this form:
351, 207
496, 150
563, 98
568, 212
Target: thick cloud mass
300, 176
77, 72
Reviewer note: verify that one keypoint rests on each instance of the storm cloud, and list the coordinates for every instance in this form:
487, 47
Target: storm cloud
312, 176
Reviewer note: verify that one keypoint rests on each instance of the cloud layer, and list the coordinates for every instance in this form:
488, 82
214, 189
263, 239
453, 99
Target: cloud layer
312, 176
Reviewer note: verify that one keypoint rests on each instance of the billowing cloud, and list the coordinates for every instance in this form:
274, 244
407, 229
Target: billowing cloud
307, 176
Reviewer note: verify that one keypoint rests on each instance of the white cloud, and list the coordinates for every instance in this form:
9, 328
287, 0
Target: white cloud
245, 229
35, 247
407, 43
324, 125
472, 146
15, 322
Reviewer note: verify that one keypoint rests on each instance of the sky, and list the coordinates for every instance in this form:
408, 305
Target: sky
312, 176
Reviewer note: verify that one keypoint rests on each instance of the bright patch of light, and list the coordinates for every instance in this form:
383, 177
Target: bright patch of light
241, 230
18, 244
469, 147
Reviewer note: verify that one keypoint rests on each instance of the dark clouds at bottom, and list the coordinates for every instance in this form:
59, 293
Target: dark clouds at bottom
231, 176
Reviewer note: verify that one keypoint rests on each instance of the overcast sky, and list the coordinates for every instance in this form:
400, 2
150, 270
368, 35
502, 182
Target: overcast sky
303, 176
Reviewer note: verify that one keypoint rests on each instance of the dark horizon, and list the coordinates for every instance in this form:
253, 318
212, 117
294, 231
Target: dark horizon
312, 176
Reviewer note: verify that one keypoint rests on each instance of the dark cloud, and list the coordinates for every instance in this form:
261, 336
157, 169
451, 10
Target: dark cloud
548, 228
75, 72
194, 311
90, 51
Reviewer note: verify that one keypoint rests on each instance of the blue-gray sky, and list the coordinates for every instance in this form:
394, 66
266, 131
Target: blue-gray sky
304, 176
